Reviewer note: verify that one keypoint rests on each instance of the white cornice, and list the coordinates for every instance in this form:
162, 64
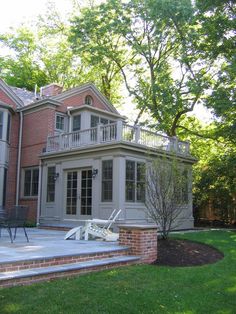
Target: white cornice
96, 110
124, 146
6, 106
41, 103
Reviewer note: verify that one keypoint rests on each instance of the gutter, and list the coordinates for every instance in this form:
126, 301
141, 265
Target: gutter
19, 160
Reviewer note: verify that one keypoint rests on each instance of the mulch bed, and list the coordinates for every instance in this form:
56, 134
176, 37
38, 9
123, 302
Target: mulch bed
186, 253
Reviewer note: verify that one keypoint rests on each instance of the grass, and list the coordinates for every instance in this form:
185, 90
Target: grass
138, 289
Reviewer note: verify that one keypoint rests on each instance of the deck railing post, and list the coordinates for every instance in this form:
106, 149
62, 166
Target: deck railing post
99, 133
119, 126
118, 131
60, 142
137, 133
176, 145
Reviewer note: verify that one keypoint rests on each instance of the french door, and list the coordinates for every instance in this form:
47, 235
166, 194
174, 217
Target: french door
78, 194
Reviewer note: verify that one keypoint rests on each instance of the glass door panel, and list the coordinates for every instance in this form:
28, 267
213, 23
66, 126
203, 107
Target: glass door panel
78, 194
86, 193
71, 193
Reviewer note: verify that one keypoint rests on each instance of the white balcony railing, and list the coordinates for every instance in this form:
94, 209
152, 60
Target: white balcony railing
115, 132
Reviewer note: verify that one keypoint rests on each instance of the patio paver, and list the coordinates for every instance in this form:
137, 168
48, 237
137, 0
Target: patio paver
48, 244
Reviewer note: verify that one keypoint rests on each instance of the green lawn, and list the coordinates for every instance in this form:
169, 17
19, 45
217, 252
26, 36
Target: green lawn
138, 289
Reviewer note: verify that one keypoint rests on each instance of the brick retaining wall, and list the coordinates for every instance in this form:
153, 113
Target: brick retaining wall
142, 240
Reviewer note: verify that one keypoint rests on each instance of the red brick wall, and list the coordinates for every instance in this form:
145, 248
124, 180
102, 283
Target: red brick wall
36, 127
142, 241
6, 99
32, 204
79, 100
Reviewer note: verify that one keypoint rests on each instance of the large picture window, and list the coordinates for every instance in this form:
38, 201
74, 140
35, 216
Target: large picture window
135, 181
51, 184
31, 181
107, 176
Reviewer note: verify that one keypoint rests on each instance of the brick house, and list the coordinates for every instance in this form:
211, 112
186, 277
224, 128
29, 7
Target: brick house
70, 156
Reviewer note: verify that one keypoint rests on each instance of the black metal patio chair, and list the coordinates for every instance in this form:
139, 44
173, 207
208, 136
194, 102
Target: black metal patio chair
15, 218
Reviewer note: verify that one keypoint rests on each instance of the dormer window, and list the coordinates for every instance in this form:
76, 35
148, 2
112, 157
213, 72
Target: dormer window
88, 100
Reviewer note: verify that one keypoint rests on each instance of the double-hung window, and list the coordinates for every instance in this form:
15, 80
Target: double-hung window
107, 178
76, 123
61, 122
135, 181
31, 182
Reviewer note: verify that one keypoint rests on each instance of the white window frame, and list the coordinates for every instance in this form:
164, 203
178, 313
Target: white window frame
107, 180
61, 115
88, 100
100, 118
72, 126
135, 181
31, 183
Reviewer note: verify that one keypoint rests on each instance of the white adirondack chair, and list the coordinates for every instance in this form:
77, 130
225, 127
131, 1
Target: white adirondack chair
97, 228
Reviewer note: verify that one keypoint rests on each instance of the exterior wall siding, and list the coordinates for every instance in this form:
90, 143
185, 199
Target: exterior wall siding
53, 213
38, 123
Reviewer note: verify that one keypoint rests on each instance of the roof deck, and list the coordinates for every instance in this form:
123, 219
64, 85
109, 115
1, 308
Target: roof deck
114, 133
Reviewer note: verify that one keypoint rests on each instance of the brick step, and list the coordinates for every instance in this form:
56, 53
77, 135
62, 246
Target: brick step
30, 263
28, 276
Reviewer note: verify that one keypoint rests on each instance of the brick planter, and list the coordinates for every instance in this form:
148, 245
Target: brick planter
142, 240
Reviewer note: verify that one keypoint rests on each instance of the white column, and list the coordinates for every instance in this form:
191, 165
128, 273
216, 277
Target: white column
137, 134
119, 130
119, 183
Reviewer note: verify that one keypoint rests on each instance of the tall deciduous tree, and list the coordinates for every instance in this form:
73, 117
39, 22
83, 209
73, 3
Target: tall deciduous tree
42, 54
217, 20
20, 67
150, 43
97, 47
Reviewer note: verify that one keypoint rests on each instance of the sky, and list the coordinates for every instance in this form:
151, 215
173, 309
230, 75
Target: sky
15, 12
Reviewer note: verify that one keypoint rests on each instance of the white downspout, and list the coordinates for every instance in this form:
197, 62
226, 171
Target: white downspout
19, 160
39, 193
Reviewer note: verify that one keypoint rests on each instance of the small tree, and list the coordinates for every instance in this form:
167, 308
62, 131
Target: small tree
167, 192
